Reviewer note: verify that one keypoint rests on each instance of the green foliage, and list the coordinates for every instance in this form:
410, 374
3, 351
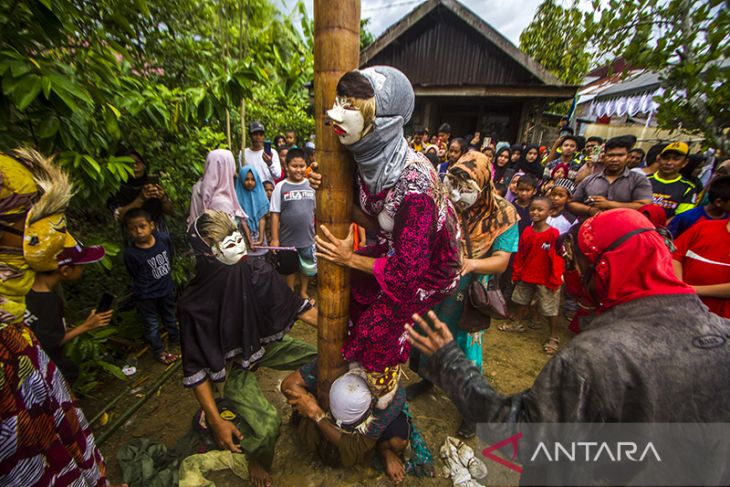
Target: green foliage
556, 38
686, 41
366, 37
81, 79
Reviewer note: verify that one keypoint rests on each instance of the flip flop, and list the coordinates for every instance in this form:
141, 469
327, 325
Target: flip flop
511, 327
551, 346
167, 358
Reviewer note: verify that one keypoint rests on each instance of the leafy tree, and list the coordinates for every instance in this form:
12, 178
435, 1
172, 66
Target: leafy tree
556, 38
686, 42
366, 37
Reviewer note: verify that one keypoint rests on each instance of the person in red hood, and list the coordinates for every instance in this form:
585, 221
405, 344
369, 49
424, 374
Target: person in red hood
642, 356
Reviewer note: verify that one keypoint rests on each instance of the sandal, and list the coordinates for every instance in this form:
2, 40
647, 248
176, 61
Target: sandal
166, 358
534, 324
511, 327
551, 346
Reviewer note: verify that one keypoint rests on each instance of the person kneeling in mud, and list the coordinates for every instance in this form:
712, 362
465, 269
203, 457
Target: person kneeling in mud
237, 311
353, 430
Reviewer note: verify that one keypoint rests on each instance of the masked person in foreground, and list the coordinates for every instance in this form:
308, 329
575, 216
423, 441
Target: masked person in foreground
45, 439
637, 359
415, 262
238, 311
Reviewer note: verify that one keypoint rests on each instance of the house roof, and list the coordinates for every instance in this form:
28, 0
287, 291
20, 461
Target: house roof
442, 43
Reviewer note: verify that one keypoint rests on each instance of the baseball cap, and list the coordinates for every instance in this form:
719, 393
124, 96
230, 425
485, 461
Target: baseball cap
256, 127
679, 147
79, 254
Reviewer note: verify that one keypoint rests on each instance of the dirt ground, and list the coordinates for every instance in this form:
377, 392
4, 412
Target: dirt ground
511, 362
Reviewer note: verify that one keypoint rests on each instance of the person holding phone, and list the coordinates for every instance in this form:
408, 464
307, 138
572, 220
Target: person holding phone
142, 190
44, 307
260, 155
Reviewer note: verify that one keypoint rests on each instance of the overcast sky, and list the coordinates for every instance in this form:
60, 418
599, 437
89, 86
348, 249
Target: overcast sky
508, 17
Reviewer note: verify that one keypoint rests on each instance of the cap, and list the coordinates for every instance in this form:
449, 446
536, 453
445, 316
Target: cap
79, 254
256, 127
679, 147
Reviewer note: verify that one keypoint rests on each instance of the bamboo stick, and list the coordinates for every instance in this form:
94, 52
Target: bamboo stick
336, 51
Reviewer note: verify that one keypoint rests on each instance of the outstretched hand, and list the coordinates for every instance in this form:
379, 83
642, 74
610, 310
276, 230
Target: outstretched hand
434, 339
334, 249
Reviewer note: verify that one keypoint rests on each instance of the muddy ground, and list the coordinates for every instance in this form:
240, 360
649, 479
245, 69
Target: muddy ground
511, 362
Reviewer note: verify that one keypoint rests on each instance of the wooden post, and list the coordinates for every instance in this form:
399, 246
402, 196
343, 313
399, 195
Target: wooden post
336, 51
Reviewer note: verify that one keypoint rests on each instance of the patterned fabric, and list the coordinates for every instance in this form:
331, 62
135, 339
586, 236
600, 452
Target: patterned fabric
44, 437
491, 215
417, 265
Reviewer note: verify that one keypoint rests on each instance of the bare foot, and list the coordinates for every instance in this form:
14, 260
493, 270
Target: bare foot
393, 466
258, 475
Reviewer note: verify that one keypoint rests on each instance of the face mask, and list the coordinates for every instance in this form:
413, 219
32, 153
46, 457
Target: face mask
462, 198
231, 249
348, 123
44, 239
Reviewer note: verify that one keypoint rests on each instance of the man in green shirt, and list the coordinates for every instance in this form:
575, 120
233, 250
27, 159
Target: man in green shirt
670, 190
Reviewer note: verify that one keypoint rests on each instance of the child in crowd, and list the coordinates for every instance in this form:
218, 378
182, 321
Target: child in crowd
671, 191
269, 189
561, 218
717, 209
149, 261
292, 222
44, 307
538, 270
526, 189
252, 198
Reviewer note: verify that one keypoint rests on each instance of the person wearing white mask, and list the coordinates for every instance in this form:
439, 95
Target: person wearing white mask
236, 312
353, 430
414, 263
489, 236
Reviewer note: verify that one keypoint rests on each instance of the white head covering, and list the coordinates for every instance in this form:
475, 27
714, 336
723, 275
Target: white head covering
350, 399
215, 190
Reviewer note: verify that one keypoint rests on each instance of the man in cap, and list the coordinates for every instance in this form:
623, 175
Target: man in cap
670, 190
44, 307
266, 163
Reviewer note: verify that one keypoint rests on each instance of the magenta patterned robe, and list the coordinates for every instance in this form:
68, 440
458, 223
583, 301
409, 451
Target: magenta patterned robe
416, 266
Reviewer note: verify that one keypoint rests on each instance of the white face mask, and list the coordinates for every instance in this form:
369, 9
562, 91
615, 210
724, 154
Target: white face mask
347, 122
462, 197
231, 249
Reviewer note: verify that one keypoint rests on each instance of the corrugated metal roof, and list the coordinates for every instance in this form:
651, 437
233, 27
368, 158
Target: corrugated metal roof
644, 82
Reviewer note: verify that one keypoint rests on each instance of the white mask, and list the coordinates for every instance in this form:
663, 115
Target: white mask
347, 122
462, 197
231, 249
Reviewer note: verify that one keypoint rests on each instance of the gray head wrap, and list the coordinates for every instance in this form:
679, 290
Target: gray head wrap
381, 154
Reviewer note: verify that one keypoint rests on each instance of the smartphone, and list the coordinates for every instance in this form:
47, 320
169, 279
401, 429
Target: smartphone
267, 147
152, 179
105, 303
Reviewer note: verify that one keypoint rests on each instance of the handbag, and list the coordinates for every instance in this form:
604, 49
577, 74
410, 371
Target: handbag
481, 304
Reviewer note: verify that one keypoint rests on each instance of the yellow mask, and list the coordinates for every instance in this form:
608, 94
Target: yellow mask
44, 240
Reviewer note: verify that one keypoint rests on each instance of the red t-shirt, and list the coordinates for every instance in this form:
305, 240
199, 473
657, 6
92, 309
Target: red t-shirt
537, 260
704, 252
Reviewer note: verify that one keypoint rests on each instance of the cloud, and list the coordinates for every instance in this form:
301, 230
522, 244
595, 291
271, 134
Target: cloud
506, 16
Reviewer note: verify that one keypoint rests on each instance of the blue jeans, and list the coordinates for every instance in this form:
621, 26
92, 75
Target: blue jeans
149, 309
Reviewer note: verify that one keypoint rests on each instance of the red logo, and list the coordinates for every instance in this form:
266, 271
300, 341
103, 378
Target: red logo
487, 452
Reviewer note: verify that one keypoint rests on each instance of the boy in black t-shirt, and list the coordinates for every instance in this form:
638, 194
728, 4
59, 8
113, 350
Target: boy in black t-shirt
149, 262
44, 307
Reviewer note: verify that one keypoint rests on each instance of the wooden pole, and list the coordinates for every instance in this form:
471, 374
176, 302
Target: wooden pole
336, 51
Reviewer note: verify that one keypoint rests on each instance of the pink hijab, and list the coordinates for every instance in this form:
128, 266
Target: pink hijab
216, 190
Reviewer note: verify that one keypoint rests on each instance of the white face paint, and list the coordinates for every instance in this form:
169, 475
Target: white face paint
231, 249
347, 121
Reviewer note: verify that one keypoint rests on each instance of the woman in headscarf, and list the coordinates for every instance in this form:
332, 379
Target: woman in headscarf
489, 228
651, 352
237, 311
500, 167
252, 198
140, 191
415, 262
529, 162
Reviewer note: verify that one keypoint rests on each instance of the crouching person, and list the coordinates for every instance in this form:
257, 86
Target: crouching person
354, 430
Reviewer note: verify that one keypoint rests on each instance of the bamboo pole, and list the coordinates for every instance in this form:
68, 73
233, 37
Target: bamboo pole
336, 51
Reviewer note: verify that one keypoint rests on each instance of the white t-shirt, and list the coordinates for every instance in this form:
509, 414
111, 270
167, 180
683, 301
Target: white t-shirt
256, 159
